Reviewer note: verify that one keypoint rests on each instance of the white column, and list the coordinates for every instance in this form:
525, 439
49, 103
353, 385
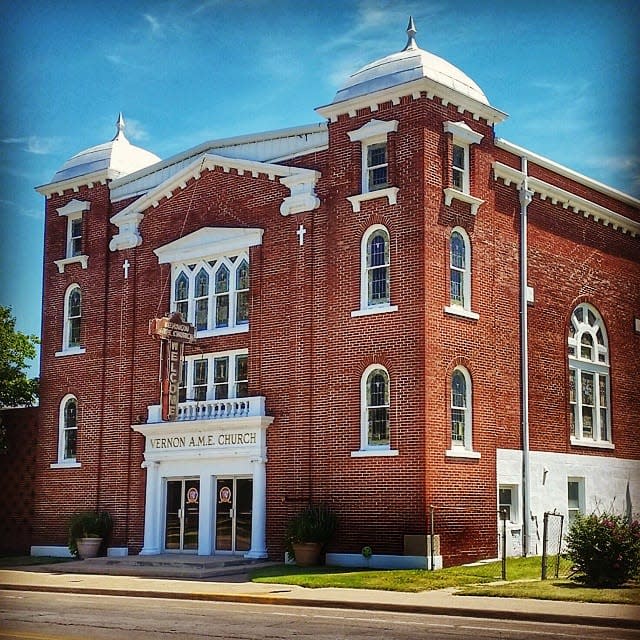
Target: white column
152, 510
259, 511
205, 536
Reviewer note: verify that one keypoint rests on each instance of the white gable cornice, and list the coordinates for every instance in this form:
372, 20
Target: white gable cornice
415, 89
568, 200
300, 182
209, 242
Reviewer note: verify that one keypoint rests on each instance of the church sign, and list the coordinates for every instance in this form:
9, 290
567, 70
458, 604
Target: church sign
173, 333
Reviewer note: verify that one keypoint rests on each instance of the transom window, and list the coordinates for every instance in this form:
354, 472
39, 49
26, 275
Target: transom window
589, 382
375, 408
216, 376
68, 434
213, 294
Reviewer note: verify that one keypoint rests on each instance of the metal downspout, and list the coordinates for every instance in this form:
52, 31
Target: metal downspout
525, 198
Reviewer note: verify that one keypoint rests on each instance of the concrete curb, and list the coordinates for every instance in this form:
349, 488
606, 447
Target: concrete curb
462, 611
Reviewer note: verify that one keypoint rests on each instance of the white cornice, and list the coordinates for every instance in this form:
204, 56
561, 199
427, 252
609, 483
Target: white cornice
463, 132
566, 172
415, 90
87, 180
74, 207
568, 200
300, 182
208, 242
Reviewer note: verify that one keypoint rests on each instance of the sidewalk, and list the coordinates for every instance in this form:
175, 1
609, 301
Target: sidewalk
236, 587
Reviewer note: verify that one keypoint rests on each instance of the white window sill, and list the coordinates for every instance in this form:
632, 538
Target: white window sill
75, 351
594, 444
371, 311
374, 453
456, 310
61, 264
451, 194
222, 331
390, 193
65, 465
462, 453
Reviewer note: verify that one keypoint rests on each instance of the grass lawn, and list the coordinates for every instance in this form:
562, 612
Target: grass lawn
523, 581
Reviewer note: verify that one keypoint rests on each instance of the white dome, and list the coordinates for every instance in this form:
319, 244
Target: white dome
118, 155
412, 63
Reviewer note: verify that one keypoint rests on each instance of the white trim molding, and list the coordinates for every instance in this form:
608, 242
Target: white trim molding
301, 183
568, 200
81, 259
390, 193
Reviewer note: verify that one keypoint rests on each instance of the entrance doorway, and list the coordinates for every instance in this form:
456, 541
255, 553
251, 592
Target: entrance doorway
234, 499
182, 516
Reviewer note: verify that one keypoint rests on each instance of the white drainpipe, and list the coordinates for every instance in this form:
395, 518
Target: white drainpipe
525, 198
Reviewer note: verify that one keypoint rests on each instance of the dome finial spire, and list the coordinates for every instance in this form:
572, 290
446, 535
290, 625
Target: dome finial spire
411, 32
120, 125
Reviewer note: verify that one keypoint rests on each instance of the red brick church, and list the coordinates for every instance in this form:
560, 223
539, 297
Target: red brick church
396, 313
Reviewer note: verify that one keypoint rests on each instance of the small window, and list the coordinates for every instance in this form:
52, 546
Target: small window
507, 502
68, 433
459, 167
377, 166
74, 242
575, 498
375, 408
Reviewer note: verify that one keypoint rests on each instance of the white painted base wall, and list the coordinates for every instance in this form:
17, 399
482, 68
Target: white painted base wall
63, 552
378, 561
605, 488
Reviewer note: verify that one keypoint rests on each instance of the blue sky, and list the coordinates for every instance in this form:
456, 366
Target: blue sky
184, 72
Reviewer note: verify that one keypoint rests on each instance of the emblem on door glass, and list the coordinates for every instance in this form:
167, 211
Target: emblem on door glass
192, 495
225, 495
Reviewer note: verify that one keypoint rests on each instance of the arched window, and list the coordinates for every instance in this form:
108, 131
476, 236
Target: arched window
461, 410
242, 292
68, 430
375, 293
375, 408
202, 300
460, 269
213, 294
72, 318
589, 384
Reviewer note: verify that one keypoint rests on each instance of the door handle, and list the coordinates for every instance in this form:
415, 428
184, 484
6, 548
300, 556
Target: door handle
231, 513
179, 514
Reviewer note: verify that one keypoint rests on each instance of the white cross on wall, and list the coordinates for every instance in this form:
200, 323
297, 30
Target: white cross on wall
125, 266
300, 233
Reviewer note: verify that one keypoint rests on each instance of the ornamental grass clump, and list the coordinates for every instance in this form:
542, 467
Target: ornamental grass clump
604, 549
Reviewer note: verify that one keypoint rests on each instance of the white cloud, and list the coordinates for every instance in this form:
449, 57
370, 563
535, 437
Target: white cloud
134, 130
35, 144
154, 23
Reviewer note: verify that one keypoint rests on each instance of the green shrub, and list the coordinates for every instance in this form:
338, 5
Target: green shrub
604, 549
88, 524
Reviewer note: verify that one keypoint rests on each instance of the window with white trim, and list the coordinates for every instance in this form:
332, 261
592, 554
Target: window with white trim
214, 376
375, 408
508, 502
72, 319
575, 499
589, 378
460, 400
68, 430
213, 294
463, 136
74, 212
373, 137
74, 236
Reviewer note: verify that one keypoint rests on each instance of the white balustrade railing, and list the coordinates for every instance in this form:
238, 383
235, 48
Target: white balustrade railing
213, 409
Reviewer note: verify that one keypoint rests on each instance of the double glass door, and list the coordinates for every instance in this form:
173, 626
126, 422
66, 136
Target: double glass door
182, 515
234, 497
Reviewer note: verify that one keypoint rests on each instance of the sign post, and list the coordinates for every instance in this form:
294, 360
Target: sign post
173, 333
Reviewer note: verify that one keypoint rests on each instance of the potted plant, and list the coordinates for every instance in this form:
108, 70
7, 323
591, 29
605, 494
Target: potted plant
87, 531
309, 532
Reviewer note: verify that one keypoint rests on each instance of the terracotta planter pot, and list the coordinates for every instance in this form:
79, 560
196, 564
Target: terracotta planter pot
88, 547
307, 553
